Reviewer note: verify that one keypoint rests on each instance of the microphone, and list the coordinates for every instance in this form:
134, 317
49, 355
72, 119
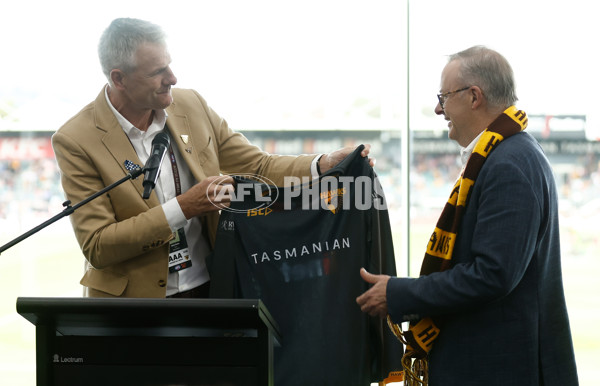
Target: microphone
160, 143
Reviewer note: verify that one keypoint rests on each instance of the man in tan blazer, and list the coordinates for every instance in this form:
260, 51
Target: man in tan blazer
126, 239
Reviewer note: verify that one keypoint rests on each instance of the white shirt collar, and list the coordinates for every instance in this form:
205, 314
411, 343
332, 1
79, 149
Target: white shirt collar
465, 152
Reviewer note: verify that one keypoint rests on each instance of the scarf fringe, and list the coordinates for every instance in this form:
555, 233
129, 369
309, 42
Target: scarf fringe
414, 362
416, 370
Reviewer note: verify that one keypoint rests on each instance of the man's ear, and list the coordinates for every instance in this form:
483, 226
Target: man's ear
477, 97
118, 78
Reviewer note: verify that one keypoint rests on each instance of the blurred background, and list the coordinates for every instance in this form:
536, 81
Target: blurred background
304, 77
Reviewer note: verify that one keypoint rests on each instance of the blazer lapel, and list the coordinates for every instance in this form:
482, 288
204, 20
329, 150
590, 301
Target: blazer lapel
181, 136
117, 143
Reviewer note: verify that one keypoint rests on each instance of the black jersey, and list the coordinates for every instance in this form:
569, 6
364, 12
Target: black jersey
300, 250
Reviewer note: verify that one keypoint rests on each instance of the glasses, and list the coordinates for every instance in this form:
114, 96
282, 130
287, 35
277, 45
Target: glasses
442, 98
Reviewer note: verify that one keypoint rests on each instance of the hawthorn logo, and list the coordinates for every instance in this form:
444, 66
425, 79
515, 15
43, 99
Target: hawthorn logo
331, 198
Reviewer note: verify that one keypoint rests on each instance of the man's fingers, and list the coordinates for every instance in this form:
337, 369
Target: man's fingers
226, 180
368, 277
221, 194
219, 189
366, 150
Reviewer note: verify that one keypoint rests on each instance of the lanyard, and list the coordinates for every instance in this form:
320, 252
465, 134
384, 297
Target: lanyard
176, 177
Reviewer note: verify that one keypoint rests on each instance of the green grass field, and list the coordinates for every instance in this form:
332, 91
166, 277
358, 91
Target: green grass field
49, 264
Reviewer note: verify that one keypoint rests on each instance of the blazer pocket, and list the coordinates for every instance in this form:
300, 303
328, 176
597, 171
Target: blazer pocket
206, 153
208, 159
105, 281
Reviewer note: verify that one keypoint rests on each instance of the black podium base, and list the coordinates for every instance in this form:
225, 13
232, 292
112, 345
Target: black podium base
159, 361
156, 342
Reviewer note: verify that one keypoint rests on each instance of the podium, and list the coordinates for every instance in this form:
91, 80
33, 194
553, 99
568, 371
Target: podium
155, 342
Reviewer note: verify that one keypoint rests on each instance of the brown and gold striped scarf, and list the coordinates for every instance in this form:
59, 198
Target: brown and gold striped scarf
420, 335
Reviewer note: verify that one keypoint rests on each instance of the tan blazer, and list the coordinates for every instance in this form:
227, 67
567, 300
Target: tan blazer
123, 237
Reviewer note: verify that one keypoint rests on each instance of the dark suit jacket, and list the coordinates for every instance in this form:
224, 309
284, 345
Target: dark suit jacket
501, 307
123, 237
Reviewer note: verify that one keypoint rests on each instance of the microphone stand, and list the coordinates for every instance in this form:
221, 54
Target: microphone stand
70, 209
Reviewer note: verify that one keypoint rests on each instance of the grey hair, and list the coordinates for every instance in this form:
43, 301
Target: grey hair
120, 41
490, 71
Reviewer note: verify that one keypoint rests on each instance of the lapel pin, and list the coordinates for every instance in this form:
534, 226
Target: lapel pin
185, 138
130, 166
189, 150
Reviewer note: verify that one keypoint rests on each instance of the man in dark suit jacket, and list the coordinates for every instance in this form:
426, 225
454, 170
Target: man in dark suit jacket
500, 306
126, 239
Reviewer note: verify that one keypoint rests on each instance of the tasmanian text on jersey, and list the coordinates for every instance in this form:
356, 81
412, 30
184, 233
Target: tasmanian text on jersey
300, 251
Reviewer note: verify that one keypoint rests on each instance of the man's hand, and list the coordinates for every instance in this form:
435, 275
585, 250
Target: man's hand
209, 195
328, 161
374, 301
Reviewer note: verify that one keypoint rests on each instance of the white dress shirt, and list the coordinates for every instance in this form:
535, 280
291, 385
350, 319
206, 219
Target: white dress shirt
199, 248
465, 152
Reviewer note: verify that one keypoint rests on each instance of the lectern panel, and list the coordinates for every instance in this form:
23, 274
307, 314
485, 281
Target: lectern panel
162, 342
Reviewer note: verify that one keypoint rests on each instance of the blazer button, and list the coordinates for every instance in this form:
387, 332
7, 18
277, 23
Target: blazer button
162, 283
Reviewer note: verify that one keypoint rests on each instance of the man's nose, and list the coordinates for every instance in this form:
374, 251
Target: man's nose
171, 78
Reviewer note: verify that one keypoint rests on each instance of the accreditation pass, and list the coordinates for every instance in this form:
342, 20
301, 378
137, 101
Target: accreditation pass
179, 253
